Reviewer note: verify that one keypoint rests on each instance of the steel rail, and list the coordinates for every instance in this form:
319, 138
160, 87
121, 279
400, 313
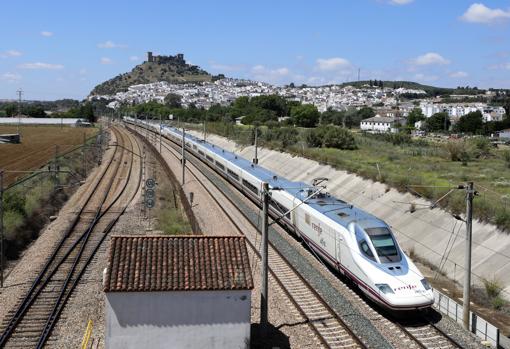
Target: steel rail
298, 306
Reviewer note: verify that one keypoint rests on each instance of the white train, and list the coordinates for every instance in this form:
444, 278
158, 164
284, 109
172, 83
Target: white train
356, 243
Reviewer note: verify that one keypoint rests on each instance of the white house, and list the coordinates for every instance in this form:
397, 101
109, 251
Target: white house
177, 292
380, 124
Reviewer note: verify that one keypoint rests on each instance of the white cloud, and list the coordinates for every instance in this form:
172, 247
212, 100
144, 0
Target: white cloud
500, 66
332, 64
227, 67
111, 44
425, 78
429, 59
11, 77
39, 65
458, 74
134, 58
47, 33
275, 76
10, 53
479, 13
400, 2
106, 60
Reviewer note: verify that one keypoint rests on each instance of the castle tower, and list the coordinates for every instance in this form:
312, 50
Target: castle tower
149, 57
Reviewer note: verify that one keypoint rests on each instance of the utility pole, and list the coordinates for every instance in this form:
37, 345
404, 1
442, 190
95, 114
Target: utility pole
264, 290
256, 159
20, 93
84, 154
204, 129
467, 261
2, 228
183, 157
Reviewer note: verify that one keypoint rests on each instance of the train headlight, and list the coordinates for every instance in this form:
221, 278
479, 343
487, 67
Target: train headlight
384, 288
426, 284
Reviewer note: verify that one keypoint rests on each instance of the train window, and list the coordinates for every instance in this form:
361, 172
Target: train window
366, 249
233, 174
209, 158
187, 144
201, 152
194, 146
220, 165
307, 218
280, 208
384, 244
250, 186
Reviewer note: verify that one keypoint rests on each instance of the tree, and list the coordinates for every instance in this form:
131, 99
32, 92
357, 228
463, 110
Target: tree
305, 115
331, 137
173, 100
10, 109
414, 116
86, 111
470, 123
438, 122
366, 112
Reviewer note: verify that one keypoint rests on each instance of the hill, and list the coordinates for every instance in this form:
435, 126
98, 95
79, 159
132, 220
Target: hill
431, 90
157, 68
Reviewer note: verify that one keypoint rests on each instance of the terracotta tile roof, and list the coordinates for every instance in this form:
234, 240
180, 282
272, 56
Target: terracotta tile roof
167, 263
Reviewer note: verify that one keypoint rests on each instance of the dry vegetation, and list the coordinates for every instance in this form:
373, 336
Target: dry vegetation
37, 147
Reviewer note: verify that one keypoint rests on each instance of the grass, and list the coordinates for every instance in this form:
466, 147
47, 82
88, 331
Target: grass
172, 222
427, 167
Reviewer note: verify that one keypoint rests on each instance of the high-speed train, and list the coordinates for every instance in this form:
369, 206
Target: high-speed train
358, 244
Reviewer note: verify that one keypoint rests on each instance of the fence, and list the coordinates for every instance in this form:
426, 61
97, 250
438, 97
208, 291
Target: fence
478, 325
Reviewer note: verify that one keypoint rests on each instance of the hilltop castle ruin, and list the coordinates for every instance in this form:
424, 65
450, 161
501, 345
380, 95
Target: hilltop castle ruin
178, 58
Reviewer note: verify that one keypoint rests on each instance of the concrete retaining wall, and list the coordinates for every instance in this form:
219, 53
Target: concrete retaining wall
426, 231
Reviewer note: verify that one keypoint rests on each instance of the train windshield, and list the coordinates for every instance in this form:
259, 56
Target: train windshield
384, 244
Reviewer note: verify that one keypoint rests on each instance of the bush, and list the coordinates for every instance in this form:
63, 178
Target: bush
12, 221
493, 287
498, 302
506, 157
331, 137
457, 151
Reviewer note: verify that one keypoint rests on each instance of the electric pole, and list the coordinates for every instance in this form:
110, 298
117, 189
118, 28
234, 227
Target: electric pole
264, 242
204, 129
256, 159
467, 261
183, 157
20, 94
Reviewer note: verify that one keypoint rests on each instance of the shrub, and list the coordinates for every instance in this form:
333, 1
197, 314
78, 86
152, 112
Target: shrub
493, 287
331, 137
498, 302
457, 151
12, 220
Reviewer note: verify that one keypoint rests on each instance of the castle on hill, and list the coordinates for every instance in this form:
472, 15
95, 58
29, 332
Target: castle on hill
178, 59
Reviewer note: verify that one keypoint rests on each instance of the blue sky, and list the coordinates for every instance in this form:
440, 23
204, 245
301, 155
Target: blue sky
62, 49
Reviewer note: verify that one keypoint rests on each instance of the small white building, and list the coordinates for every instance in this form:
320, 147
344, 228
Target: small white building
380, 124
177, 292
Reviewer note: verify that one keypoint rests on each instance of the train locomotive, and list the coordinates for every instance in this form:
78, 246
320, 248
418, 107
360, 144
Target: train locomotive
354, 242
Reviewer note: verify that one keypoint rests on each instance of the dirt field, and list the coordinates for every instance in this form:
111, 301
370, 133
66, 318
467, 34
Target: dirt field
37, 147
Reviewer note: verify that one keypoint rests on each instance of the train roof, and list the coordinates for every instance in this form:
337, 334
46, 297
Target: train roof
338, 210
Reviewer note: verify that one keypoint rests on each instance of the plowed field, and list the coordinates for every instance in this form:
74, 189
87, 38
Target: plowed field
37, 147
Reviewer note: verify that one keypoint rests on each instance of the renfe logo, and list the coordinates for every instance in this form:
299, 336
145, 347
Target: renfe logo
406, 287
317, 228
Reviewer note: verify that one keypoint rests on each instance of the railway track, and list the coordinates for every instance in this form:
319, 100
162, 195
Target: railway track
30, 323
323, 320
421, 333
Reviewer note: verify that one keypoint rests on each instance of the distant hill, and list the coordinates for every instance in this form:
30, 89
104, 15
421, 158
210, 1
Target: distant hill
431, 90
157, 68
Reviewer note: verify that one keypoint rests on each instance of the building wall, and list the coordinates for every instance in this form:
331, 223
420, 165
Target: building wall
179, 319
375, 126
